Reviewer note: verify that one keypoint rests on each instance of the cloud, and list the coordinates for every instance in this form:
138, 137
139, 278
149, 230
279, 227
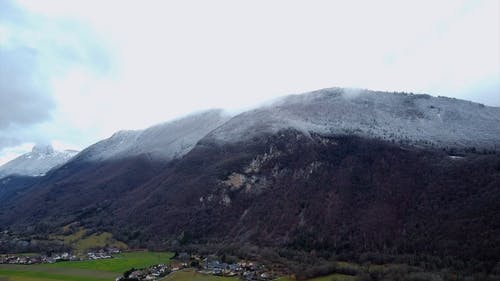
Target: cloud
13, 152
35, 51
169, 58
24, 89
24, 92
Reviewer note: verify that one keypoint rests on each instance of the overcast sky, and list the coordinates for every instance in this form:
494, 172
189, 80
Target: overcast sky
74, 72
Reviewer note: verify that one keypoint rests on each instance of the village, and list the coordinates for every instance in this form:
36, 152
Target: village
27, 259
211, 265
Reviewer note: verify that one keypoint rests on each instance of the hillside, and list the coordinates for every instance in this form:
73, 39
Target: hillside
328, 173
338, 195
104, 171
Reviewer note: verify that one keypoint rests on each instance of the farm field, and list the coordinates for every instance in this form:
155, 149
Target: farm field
95, 270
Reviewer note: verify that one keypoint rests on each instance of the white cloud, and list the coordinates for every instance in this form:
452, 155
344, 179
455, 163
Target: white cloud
12, 152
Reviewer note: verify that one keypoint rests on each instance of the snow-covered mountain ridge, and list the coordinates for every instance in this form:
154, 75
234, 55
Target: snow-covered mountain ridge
39, 161
164, 141
409, 118
406, 118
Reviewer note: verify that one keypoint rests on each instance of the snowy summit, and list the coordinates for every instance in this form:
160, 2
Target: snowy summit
39, 161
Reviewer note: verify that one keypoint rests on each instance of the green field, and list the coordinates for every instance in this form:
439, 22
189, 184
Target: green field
120, 263
80, 240
97, 270
12, 273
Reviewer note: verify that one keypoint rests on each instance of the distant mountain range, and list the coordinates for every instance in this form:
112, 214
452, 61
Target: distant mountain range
332, 171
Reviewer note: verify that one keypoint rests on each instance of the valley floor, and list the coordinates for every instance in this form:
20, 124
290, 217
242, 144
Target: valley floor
110, 269
44, 273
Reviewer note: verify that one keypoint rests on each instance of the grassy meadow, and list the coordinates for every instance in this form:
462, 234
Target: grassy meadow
81, 240
95, 270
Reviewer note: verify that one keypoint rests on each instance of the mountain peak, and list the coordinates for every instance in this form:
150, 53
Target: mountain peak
39, 161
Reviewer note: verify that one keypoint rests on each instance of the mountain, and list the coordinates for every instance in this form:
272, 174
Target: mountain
328, 173
333, 170
39, 161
